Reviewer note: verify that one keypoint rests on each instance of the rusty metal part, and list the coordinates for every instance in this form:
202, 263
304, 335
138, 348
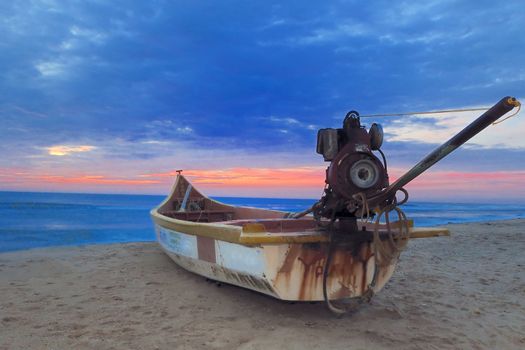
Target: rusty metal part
349, 274
494, 113
353, 167
385, 250
335, 307
376, 136
328, 143
339, 172
358, 181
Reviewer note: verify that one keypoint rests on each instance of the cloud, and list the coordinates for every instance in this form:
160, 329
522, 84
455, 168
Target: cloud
292, 123
201, 85
297, 182
93, 179
437, 128
185, 130
457, 186
92, 35
65, 150
50, 68
17, 179
253, 177
337, 33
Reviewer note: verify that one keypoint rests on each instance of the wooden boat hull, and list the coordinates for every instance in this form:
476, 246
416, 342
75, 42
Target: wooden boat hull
265, 251
290, 271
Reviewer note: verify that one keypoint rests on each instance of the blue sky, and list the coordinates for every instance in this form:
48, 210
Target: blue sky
138, 87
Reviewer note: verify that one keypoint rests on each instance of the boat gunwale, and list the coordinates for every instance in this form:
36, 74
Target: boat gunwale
216, 230
255, 233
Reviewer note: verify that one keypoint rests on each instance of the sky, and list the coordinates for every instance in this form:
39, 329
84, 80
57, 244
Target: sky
114, 96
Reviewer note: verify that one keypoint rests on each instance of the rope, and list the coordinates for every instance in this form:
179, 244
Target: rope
404, 200
326, 269
389, 250
385, 251
365, 208
510, 116
446, 111
339, 309
426, 112
351, 304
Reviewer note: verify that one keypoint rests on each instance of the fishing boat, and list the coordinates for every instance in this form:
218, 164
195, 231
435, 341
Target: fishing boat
345, 247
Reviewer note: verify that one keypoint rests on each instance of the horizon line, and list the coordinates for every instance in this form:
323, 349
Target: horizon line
486, 201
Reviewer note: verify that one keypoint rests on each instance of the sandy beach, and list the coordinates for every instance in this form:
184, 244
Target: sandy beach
466, 291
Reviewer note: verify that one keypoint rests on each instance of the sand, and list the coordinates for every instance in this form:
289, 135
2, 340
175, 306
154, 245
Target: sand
461, 292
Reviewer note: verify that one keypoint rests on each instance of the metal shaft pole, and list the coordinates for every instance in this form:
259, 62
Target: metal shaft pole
494, 113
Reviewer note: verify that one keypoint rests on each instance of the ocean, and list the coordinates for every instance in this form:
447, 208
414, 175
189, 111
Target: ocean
31, 220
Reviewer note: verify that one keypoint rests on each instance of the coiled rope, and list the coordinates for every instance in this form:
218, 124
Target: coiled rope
386, 251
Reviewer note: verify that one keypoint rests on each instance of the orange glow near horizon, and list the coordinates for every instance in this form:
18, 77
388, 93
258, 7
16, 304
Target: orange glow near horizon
22, 178
94, 179
253, 177
300, 182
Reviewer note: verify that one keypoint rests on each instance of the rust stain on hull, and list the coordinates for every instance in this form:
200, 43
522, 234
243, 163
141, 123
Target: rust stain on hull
350, 273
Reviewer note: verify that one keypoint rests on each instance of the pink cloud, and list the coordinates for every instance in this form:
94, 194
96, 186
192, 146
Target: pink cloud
298, 182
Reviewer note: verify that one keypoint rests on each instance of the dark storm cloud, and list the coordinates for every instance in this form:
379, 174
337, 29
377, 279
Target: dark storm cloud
237, 74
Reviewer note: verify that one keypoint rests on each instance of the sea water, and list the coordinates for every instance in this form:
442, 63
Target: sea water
31, 220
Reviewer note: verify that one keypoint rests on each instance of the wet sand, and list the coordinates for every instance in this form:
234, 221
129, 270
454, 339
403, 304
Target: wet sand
466, 291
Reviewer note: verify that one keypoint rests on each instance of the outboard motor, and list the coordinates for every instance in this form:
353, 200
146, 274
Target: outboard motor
353, 169
357, 180
357, 186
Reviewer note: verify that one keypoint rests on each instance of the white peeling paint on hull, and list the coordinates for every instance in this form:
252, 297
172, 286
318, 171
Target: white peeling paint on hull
284, 271
221, 261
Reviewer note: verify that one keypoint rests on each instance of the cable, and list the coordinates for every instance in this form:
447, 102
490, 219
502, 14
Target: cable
426, 112
384, 160
385, 252
517, 103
